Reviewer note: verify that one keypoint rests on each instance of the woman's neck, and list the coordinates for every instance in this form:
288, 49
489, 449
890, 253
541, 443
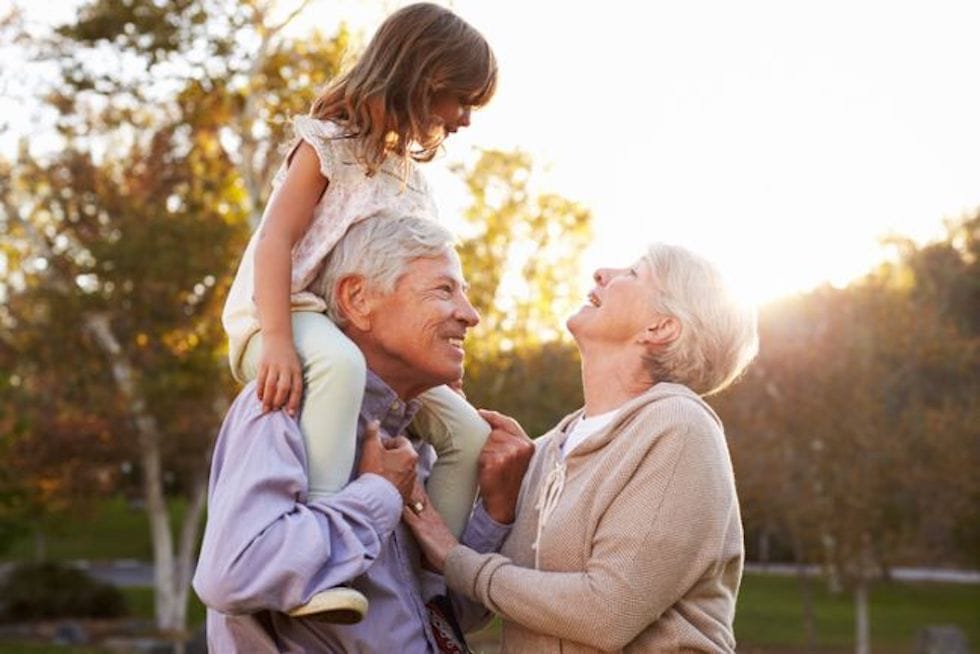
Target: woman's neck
610, 379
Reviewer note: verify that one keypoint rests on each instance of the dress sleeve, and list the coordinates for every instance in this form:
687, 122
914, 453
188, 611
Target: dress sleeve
322, 137
265, 546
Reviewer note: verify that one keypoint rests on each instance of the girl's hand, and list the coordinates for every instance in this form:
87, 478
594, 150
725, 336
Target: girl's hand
280, 378
434, 538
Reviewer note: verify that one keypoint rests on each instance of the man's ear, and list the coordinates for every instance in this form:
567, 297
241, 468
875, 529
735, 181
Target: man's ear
354, 301
665, 330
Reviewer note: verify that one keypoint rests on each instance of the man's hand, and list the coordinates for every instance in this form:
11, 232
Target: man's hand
280, 379
393, 459
502, 465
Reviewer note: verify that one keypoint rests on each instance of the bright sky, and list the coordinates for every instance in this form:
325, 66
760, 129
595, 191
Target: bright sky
781, 139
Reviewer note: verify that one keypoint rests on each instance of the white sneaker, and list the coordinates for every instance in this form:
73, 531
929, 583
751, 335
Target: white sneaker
340, 605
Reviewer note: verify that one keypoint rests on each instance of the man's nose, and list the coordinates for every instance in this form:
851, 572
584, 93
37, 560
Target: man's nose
466, 313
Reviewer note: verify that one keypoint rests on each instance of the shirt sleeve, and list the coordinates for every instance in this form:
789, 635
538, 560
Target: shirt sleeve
482, 534
632, 575
266, 548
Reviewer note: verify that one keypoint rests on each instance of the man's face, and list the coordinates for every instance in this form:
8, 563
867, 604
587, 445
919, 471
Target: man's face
416, 337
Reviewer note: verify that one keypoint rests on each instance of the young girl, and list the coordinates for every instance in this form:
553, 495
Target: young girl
355, 156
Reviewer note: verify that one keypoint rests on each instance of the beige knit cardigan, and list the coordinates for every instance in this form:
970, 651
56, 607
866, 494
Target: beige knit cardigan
643, 549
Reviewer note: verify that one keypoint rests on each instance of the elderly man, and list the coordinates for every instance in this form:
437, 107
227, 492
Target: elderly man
269, 548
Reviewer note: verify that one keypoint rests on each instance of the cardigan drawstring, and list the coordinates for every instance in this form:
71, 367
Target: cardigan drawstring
554, 484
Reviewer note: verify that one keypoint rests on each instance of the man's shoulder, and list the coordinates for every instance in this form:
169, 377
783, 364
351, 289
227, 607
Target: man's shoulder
245, 420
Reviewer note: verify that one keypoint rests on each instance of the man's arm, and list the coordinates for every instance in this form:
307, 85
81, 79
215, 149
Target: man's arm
263, 547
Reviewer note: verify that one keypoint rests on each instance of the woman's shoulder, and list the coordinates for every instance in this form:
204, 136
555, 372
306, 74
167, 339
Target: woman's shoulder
673, 410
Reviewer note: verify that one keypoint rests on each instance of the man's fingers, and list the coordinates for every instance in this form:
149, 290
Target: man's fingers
397, 443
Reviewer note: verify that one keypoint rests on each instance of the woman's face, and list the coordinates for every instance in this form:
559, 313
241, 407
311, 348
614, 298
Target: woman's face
620, 306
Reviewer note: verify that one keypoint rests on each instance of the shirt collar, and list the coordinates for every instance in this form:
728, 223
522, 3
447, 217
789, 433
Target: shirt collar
383, 404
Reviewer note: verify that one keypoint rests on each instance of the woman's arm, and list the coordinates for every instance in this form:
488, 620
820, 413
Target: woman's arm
290, 211
663, 533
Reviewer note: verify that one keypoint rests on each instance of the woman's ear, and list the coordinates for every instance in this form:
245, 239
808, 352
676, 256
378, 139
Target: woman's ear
354, 302
665, 330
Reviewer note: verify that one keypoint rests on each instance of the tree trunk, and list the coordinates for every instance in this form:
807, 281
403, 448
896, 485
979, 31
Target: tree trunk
165, 579
834, 585
862, 625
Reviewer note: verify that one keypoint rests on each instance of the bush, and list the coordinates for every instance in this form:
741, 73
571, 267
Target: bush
37, 591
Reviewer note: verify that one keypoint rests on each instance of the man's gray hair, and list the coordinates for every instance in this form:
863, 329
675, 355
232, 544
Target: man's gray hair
718, 336
379, 249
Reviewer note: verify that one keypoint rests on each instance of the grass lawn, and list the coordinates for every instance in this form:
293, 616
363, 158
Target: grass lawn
770, 613
108, 530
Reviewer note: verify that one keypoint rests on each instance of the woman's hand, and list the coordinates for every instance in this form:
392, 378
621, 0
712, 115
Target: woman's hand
502, 464
280, 378
430, 530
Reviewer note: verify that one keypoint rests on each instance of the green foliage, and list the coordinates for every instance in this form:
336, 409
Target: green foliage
51, 590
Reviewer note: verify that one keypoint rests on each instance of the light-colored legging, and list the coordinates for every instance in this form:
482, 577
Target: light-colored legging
333, 387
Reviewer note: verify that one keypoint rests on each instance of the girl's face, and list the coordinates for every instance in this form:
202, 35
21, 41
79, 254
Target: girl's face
449, 112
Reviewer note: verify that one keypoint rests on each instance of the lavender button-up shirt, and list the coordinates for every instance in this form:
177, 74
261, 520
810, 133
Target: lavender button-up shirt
268, 548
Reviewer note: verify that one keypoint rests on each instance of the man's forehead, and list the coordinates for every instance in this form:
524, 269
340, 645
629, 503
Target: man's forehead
446, 264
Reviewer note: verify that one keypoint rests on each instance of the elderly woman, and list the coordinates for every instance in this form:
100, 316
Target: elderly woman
627, 534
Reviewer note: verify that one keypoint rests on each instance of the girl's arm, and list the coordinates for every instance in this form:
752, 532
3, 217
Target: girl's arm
280, 375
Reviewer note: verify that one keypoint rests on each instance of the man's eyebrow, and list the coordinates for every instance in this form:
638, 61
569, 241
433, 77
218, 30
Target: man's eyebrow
455, 281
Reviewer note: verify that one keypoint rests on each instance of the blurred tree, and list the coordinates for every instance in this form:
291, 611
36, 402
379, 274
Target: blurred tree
520, 359
855, 432
118, 251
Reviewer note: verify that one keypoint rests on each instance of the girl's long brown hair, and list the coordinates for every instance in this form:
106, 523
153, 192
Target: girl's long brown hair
384, 99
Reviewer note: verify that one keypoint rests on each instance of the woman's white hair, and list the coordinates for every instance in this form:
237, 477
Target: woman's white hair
379, 249
718, 336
